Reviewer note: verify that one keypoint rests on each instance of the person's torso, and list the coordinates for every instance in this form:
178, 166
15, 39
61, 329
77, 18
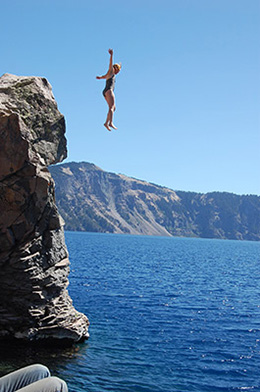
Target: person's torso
110, 82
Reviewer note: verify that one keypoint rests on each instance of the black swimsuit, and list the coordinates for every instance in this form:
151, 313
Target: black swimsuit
110, 84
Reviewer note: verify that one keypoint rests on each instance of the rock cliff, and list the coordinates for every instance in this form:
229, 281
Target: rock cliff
91, 199
34, 265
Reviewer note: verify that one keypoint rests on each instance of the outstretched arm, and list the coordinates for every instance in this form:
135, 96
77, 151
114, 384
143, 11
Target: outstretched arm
110, 69
110, 51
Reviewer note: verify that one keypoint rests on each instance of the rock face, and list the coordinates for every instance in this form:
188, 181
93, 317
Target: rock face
34, 265
91, 199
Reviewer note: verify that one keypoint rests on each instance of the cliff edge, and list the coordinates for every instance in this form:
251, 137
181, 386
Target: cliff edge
34, 265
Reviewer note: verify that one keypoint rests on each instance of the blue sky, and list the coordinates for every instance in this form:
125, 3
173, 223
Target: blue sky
188, 95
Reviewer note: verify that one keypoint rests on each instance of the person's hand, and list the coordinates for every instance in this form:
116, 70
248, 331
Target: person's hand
110, 51
98, 77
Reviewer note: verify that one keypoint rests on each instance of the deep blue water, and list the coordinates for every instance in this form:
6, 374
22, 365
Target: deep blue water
166, 314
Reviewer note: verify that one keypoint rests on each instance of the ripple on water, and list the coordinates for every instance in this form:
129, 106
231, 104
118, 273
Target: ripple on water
167, 314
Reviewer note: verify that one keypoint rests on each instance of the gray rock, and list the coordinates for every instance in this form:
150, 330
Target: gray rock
34, 264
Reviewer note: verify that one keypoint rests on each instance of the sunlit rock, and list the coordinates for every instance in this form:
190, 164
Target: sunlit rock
34, 264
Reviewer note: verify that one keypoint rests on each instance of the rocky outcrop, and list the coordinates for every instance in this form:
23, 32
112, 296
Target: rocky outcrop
34, 265
91, 199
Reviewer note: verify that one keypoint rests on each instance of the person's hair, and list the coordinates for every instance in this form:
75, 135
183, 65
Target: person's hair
118, 66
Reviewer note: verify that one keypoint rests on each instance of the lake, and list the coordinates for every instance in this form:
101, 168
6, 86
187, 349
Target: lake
166, 314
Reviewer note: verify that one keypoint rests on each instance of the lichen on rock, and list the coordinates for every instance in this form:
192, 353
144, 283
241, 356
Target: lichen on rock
34, 265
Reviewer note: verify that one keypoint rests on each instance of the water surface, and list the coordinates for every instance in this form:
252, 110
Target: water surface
166, 314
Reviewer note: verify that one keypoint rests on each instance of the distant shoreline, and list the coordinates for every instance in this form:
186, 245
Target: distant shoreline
93, 200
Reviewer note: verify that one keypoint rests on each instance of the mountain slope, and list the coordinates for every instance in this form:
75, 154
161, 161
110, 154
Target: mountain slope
90, 199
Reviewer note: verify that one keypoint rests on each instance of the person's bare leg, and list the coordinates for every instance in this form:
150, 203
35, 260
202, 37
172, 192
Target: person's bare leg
113, 110
110, 98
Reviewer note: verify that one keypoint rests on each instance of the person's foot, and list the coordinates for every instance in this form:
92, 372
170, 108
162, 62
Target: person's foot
112, 126
107, 127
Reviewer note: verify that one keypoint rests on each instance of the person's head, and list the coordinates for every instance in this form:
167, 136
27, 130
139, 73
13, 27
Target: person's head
116, 68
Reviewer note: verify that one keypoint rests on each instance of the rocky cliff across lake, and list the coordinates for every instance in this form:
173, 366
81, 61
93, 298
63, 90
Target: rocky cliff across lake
34, 265
90, 199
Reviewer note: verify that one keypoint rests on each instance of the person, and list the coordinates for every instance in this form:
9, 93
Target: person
108, 91
32, 378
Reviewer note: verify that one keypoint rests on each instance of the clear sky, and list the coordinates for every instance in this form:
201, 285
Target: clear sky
188, 95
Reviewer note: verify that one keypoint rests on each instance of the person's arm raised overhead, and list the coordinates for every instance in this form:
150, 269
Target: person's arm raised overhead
110, 69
